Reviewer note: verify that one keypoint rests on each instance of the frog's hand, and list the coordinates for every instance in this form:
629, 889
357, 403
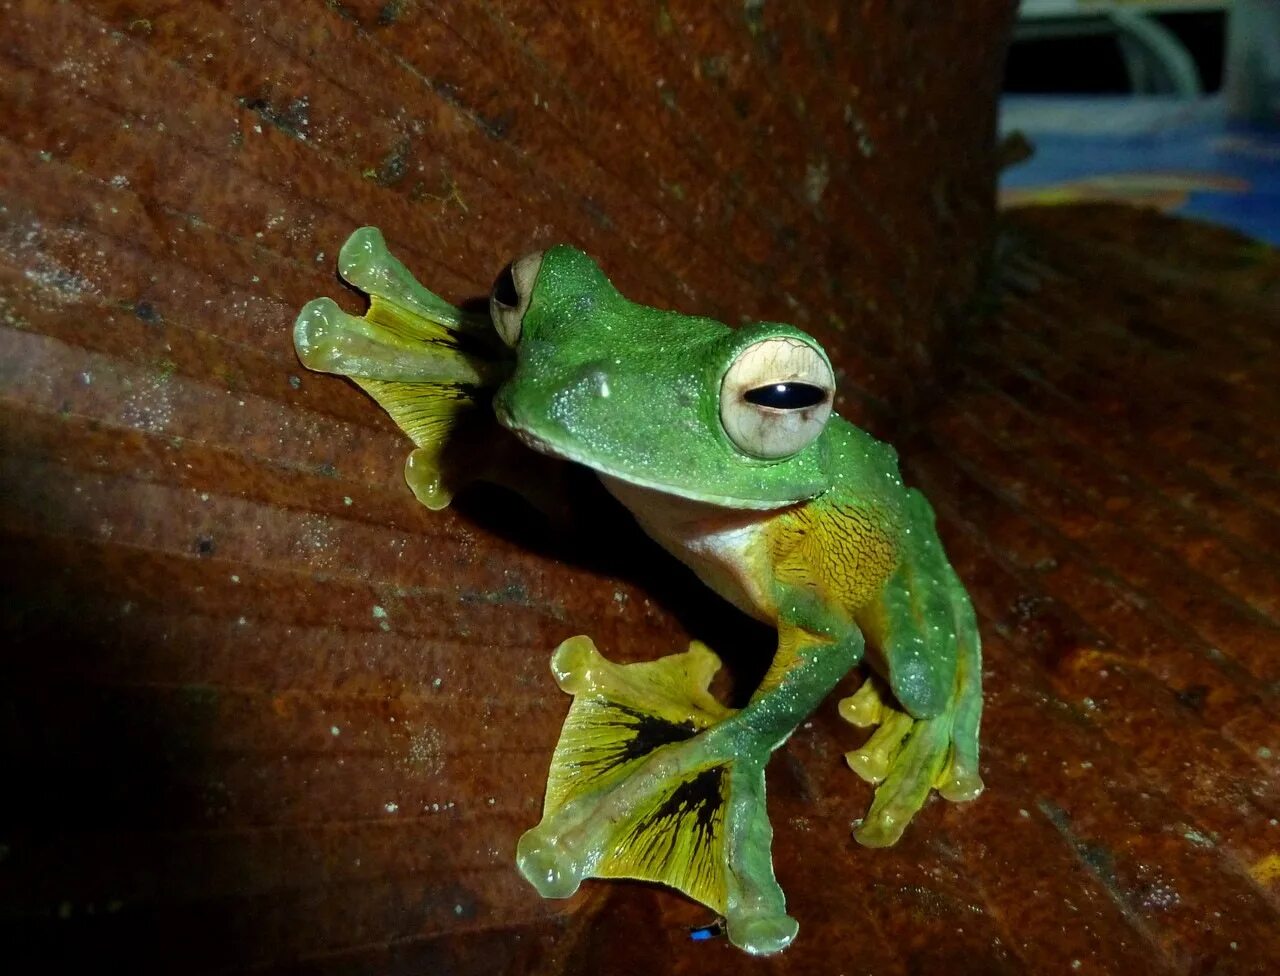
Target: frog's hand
637, 791
431, 366
927, 636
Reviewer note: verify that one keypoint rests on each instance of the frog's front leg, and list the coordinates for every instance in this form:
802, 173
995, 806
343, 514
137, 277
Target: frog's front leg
653, 779
924, 629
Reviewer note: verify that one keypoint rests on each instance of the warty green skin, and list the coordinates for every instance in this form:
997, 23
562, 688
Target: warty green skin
633, 393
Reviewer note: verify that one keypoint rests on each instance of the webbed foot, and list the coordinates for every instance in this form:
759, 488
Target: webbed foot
431, 366
653, 780
906, 758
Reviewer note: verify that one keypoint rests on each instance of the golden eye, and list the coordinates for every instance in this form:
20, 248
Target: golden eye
776, 397
509, 299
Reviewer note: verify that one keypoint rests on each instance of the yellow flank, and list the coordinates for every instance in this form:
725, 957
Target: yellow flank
840, 552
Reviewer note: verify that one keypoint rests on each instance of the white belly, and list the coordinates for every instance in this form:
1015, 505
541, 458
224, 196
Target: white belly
724, 546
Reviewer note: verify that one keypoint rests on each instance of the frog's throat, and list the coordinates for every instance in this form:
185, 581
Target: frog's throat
544, 446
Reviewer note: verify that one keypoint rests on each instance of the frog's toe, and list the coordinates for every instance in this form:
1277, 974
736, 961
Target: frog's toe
548, 865
427, 474
912, 773
959, 781
874, 759
961, 788
865, 707
762, 935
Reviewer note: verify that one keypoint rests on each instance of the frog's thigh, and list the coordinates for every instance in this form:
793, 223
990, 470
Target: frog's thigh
912, 623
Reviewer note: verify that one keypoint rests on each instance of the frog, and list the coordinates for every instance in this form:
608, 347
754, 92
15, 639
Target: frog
724, 445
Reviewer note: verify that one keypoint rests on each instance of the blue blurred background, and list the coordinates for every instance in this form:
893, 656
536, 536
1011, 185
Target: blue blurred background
1173, 105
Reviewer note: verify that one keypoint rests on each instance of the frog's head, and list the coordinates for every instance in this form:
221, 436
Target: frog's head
670, 402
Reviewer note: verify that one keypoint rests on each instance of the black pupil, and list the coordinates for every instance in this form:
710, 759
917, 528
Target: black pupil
786, 396
504, 289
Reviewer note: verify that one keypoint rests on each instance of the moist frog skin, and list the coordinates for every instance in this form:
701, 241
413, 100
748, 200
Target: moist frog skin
723, 445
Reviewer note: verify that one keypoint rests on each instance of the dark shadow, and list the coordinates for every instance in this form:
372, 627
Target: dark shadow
96, 776
603, 537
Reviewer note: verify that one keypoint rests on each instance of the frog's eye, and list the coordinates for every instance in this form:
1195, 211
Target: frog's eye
776, 397
509, 299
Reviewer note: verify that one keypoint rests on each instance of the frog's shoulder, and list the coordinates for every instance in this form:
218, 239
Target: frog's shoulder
845, 543
863, 470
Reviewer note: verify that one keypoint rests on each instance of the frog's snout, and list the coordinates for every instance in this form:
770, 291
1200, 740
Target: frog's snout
507, 412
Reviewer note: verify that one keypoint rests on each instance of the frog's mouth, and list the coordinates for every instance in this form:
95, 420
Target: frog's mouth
565, 453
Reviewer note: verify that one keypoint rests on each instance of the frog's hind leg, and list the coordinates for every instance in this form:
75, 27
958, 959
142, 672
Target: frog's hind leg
927, 737
653, 779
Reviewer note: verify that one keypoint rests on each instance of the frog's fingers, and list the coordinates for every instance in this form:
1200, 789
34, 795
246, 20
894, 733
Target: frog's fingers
940, 752
911, 774
386, 345
366, 262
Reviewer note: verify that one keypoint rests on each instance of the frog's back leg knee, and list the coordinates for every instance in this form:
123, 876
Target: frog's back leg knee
912, 623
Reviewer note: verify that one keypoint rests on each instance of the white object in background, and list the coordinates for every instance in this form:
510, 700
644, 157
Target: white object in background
1035, 9
1048, 8
1253, 62
1155, 59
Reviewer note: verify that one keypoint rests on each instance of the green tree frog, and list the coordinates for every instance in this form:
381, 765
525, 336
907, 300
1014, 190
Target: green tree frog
723, 445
